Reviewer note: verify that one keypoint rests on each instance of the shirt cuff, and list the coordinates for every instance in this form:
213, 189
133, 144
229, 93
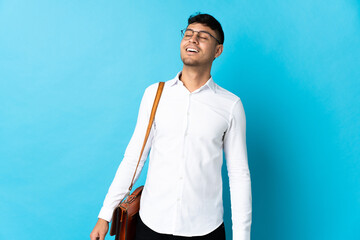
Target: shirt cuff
106, 214
241, 235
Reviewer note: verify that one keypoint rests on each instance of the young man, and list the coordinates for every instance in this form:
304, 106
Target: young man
195, 122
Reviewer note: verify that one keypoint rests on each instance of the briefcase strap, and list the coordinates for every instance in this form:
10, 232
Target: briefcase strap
151, 120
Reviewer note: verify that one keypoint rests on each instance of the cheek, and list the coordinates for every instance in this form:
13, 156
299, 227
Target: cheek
182, 47
211, 52
182, 43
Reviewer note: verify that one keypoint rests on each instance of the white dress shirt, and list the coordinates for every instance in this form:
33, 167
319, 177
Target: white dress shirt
183, 189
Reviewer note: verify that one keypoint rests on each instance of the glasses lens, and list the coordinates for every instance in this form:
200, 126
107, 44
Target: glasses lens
204, 35
188, 33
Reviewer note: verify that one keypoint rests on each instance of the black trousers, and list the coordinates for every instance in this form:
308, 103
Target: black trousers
143, 232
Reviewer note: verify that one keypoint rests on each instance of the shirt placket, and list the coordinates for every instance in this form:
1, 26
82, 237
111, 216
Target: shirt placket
185, 127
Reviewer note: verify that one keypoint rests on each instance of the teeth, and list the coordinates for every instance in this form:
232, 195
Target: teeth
191, 50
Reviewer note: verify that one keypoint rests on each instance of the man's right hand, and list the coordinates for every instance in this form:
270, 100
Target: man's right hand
100, 230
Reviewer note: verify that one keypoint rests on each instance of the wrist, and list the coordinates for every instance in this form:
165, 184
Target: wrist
102, 221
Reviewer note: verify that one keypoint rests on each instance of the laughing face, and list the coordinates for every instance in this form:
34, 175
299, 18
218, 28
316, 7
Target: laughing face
197, 48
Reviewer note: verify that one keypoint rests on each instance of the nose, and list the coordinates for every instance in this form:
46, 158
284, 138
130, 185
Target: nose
194, 38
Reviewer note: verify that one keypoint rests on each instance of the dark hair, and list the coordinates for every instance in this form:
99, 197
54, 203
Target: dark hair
209, 21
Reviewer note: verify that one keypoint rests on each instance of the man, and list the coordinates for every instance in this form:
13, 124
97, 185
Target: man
195, 122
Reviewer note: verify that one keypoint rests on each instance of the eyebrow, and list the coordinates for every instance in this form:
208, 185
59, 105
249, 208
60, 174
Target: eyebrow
198, 31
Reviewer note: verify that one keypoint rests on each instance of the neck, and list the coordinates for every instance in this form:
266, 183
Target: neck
194, 78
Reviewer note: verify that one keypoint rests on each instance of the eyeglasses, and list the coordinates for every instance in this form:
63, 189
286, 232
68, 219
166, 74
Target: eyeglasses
202, 35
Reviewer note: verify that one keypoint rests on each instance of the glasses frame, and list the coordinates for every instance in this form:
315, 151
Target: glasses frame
184, 30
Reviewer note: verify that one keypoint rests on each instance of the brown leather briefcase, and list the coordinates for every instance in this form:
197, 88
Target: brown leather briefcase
124, 216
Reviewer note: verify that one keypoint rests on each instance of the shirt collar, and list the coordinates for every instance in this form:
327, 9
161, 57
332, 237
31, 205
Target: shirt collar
210, 83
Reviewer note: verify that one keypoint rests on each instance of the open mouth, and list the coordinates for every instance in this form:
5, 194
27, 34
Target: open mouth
192, 50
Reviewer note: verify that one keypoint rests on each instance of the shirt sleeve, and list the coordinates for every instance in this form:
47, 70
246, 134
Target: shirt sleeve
239, 174
122, 180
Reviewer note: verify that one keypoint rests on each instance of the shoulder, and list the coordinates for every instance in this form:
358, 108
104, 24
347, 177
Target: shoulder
228, 98
226, 94
234, 104
152, 88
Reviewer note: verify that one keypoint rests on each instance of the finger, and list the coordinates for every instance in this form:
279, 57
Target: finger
94, 236
102, 236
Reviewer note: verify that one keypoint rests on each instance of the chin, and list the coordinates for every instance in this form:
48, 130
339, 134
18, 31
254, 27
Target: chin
190, 62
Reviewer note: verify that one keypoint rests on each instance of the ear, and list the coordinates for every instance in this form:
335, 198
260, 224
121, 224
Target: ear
219, 50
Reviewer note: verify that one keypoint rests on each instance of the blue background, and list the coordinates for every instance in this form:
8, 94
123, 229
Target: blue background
72, 74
